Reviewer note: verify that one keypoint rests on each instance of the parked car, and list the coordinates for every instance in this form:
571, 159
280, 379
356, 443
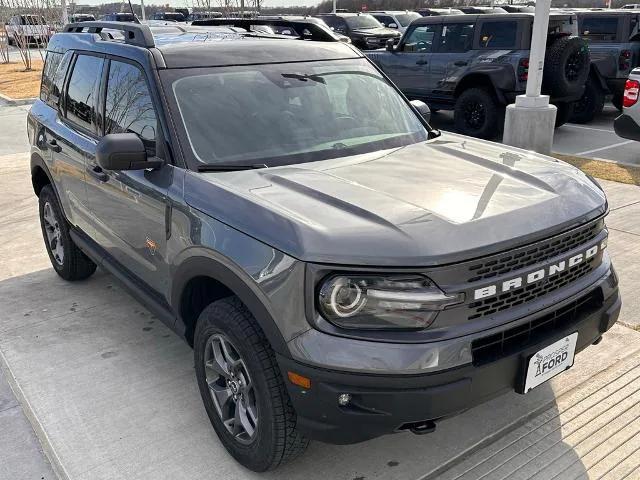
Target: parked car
365, 31
169, 16
341, 269
399, 20
120, 17
27, 29
631, 6
518, 8
477, 64
81, 17
480, 10
289, 30
204, 15
429, 12
614, 43
627, 125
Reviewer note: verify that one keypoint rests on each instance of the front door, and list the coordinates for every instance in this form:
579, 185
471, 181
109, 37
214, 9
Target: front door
129, 207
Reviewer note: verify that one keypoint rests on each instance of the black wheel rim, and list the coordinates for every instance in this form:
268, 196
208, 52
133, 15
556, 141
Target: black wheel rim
474, 115
231, 388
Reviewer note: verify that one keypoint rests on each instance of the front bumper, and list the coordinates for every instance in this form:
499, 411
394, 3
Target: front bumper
383, 404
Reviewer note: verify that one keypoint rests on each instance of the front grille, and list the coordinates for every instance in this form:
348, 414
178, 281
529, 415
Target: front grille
521, 295
493, 347
537, 253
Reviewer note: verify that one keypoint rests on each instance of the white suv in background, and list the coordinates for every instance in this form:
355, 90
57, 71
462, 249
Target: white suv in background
396, 19
627, 125
30, 27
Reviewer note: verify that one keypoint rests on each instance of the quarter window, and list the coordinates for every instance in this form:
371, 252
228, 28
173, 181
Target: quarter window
456, 37
128, 104
420, 39
601, 29
80, 99
498, 35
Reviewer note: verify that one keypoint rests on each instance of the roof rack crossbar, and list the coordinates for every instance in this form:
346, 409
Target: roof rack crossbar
134, 33
316, 31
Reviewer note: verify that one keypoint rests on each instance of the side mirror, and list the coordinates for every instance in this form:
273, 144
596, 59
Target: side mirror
391, 45
393, 25
422, 108
123, 151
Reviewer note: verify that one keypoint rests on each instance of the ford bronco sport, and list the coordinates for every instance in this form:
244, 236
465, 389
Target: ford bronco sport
614, 43
341, 269
477, 64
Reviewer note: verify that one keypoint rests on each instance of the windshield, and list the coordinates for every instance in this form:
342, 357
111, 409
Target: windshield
283, 114
406, 18
32, 20
362, 21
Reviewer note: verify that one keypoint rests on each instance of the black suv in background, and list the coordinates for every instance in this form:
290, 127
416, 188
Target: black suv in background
364, 30
341, 269
477, 64
614, 44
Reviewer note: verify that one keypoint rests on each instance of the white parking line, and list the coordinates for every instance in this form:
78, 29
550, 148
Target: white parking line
571, 125
588, 152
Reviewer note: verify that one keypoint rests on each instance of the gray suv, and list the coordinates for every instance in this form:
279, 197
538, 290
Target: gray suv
341, 269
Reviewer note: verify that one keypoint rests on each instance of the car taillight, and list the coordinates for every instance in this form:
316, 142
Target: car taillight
523, 69
631, 90
624, 61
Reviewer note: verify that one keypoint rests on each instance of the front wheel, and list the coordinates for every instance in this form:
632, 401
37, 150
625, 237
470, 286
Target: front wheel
590, 104
242, 388
477, 113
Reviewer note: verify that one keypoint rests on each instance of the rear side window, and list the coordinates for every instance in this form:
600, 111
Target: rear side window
420, 39
456, 37
128, 104
55, 69
498, 34
599, 29
80, 101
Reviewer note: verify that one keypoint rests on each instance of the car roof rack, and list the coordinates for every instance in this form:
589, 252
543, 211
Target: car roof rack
317, 32
134, 33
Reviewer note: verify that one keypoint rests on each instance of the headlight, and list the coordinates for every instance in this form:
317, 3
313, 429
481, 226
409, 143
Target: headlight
382, 302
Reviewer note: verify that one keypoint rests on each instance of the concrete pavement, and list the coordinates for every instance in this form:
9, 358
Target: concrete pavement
111, 392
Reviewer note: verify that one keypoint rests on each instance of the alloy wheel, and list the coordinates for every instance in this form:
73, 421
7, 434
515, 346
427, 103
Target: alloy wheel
53, 232
231, 388
474, 115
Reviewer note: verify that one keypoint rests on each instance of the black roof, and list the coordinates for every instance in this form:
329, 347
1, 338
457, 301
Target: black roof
194, 46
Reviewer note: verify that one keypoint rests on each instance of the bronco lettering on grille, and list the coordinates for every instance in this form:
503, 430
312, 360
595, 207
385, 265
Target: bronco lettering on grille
538, 275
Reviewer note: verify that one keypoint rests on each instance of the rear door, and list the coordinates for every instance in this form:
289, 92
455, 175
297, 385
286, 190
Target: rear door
410, 64
454, 56
129, 208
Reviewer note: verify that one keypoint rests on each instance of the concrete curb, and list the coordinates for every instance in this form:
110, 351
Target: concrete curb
15, 102
41, 435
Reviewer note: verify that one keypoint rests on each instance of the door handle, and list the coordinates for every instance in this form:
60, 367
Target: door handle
97, 173
421, 62
53, 146
461, 63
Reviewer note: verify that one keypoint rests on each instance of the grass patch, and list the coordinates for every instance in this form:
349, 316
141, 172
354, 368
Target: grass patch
605, 170
15, 82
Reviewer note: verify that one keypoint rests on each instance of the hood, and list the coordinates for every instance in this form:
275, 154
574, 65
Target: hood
437, 202
377, 32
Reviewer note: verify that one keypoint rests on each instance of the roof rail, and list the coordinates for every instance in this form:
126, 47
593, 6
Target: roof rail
134, 33
315, 31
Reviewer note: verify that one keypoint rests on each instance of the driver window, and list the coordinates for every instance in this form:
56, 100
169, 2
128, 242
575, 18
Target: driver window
420, 40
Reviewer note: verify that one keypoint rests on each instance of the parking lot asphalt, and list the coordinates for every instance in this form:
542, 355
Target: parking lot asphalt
595, 140
111, 392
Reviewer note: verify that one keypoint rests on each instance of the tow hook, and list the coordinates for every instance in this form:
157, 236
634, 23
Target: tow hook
422, 428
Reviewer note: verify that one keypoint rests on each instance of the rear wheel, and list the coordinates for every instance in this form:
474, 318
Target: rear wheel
66, 258
566, 66
477, 113
590, 104
242, 388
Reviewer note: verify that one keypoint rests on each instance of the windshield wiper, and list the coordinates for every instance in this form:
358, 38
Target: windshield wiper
303, 78
229, 167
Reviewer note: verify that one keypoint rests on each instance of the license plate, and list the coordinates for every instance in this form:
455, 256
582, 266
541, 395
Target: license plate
550, 361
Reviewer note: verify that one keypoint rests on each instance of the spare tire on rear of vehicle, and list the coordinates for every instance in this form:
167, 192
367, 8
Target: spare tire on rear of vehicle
566, 67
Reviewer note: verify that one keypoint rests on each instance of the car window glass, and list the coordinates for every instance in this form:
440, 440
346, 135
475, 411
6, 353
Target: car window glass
599, 28
80, 99
420, 39
128, 104
51, 63
57, 82
385, 20
634, 29
498, 34
456, 37
406, 18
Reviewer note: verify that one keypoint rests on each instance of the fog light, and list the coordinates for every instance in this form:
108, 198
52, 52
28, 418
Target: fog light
344, 399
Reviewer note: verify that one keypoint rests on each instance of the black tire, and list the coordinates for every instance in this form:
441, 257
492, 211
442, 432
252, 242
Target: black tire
275, 439
477, 113
73, 264
566, 66
590, 104
617, 101
565, 110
